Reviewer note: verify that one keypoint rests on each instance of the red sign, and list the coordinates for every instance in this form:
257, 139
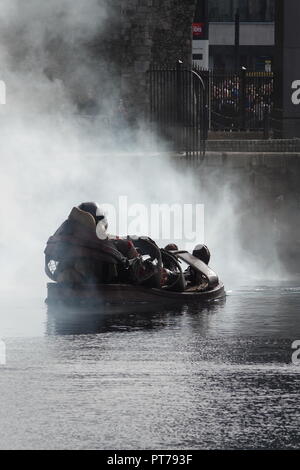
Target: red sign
198, 29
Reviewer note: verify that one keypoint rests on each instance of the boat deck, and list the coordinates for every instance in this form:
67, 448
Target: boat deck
126, 294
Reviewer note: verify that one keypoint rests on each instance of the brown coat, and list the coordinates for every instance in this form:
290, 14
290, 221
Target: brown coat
76, 238
80, 256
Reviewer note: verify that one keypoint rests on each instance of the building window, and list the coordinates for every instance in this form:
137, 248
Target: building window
250, 10
221, 10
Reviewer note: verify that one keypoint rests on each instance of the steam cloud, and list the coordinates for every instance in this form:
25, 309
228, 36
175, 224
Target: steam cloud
53, 159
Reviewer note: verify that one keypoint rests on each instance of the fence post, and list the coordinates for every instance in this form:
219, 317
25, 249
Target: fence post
243, 100
206, 105
206, 76
266, 122
179, 90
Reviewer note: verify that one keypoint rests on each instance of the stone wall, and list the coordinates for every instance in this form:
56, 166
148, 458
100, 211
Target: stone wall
171, 31
136, 34
153, 31
266, 195
136, 46
253, 145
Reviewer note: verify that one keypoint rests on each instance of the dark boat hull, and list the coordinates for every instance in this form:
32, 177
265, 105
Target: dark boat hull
125, 294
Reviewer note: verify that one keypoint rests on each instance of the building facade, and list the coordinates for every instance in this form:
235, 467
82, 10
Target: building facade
256, 34
152, 32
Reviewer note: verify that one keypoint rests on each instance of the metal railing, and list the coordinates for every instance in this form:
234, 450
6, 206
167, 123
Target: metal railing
178, 108
239, 101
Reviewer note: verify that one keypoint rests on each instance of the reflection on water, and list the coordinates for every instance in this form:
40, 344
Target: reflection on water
62, 320
216, 376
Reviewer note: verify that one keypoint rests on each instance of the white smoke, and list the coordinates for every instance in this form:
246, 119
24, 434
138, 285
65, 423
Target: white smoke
53, 159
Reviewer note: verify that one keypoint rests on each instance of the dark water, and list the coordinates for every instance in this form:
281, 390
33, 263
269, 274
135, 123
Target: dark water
216, 377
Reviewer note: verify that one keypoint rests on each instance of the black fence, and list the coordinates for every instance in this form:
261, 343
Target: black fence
178, 108
186, 103
239, 101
